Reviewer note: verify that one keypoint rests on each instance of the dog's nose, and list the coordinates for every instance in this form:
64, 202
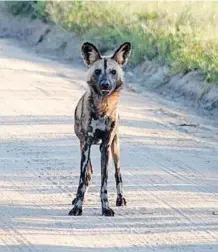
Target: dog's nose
104, 85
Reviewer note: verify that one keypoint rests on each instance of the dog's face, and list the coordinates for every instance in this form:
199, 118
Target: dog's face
105, 74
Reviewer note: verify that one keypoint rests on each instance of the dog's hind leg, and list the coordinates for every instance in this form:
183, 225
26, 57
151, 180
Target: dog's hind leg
115, 150
85, 161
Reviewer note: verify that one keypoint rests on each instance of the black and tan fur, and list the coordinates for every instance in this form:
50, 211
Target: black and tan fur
96, 121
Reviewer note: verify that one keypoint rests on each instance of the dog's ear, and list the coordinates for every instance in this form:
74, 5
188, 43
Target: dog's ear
122, 54
90, 53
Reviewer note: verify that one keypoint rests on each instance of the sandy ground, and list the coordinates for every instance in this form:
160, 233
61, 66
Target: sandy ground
169, 165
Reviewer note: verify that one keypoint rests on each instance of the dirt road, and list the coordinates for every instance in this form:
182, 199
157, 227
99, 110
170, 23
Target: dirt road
169, 165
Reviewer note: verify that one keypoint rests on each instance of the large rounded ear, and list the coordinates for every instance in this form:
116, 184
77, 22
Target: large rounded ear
90, 53
122, 54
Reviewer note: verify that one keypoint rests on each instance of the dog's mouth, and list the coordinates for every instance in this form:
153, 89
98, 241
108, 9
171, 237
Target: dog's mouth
105, 92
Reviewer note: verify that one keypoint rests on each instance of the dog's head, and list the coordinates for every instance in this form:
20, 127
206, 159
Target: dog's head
105, 73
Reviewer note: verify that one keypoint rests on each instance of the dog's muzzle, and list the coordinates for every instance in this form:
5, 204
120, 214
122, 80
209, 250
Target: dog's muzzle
105, 87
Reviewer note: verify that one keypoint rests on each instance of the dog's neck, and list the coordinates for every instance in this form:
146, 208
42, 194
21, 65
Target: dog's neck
107, 105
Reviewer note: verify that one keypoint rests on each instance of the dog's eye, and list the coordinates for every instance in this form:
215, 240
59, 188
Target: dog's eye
97, 71
113, 71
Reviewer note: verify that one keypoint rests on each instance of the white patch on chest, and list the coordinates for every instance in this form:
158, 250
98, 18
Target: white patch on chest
100, 124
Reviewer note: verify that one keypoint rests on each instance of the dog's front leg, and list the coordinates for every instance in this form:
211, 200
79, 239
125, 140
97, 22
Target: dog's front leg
85, 157
106, 210
89, 172
115, 150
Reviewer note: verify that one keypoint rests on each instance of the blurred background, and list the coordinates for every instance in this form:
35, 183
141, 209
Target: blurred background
181, 35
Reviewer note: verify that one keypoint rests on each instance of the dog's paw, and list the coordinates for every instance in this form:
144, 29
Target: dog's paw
107, 212
76, 211
121, 201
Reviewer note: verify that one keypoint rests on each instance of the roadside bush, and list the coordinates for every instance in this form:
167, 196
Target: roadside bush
21, 8
32, 9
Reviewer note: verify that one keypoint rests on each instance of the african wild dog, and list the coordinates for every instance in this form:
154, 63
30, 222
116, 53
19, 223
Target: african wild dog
96, 120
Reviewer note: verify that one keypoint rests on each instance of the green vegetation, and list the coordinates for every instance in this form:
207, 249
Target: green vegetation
20, 8
182, 35
32, 9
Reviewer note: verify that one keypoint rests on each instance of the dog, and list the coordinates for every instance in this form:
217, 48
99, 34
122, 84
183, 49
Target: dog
96, 121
